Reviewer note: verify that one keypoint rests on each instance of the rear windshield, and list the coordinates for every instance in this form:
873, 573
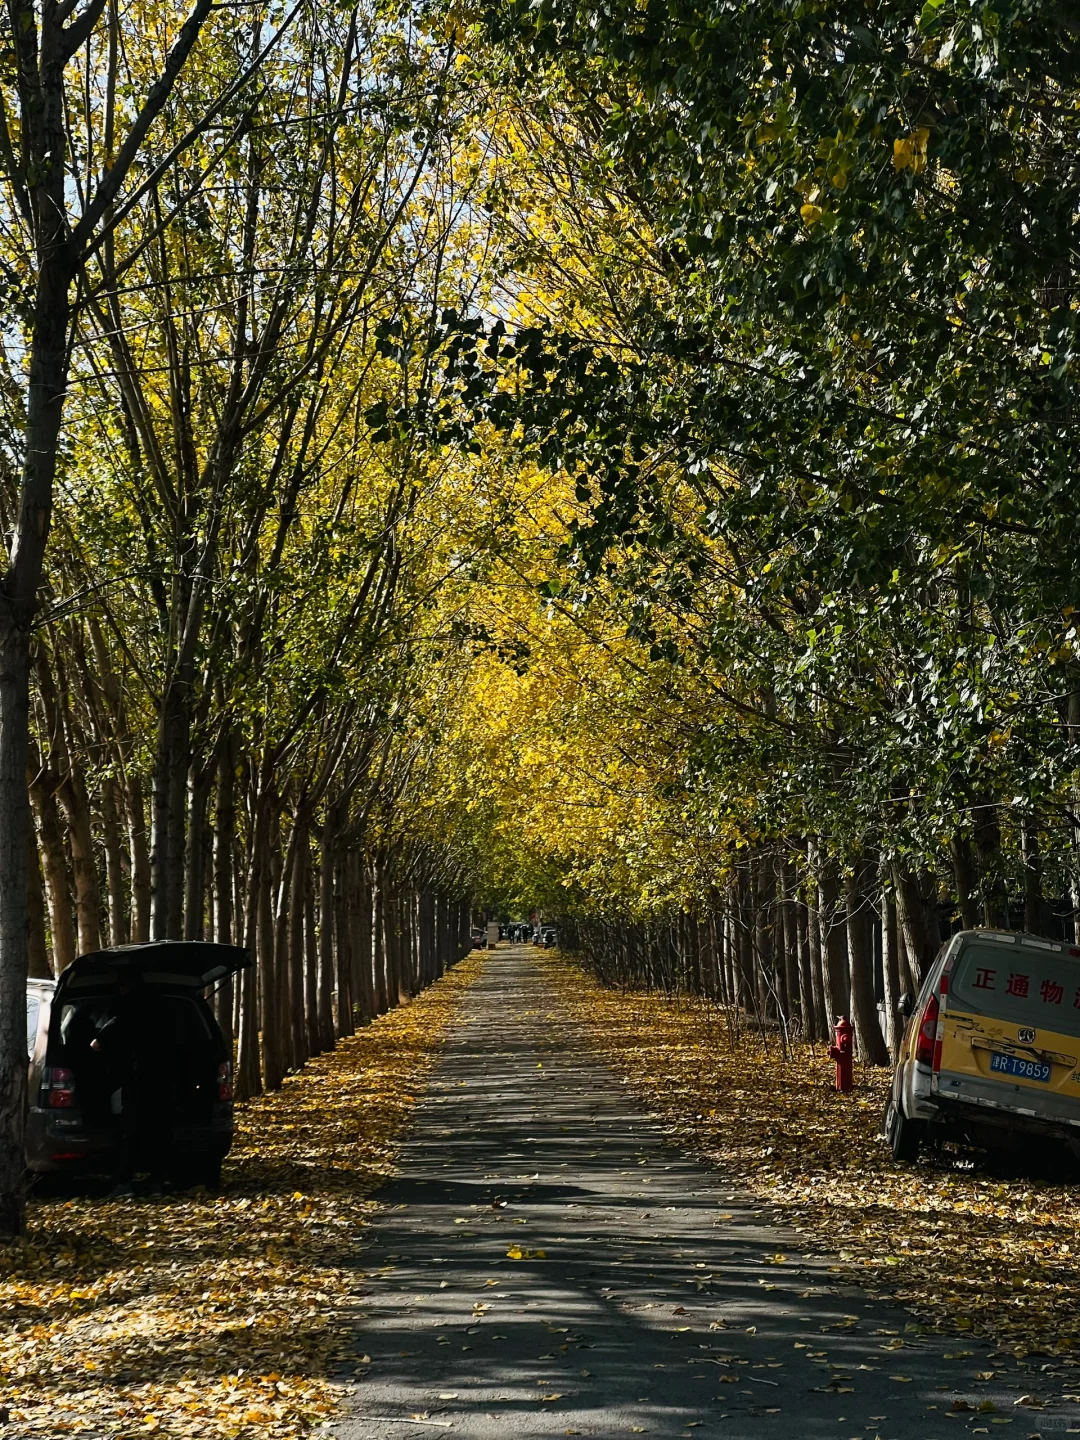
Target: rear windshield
1026, 987
170, 1025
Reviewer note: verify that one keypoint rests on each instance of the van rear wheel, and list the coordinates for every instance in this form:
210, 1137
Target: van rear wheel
905, 1137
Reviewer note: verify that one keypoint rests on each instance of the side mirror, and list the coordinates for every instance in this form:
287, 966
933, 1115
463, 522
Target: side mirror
907, 1004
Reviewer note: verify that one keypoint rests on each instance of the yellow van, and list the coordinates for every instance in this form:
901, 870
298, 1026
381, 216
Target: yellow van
991, 1052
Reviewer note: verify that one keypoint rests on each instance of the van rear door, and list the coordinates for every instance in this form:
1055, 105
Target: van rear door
1010, 1036
195, 963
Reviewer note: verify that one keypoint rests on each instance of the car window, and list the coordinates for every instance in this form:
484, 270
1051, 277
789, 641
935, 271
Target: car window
1020, 985
33, 1013
182, 1024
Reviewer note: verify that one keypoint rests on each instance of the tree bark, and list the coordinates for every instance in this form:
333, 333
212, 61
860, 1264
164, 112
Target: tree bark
789, 931
380, 905
327, 866
55, 860
297, 952
890, 958
365, 997
988, 844
200, 784
168, 810
860, 937
37, 949
224, 845
837, 983
966, 875
119, 928
269, 980
916, 907
14, 958
312, 1035
343, 947
1034, 906
76, 806
248, 1071
139, 853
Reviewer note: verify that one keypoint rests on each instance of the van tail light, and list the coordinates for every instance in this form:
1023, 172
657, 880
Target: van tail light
926, 1046
57, 1088
224, 1081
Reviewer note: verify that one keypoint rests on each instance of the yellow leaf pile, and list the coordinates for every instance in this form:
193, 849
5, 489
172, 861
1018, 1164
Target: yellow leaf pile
968, 1252
221, 1316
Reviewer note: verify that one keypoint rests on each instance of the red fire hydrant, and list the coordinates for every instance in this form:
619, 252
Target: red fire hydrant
843, 1052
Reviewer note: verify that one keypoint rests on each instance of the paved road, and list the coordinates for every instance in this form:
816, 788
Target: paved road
547, 1264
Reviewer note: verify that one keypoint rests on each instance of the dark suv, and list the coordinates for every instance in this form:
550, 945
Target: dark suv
129, 1070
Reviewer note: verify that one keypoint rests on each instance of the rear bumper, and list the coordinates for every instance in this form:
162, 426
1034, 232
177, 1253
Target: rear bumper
987, 1112
1024, 1101
58, 1142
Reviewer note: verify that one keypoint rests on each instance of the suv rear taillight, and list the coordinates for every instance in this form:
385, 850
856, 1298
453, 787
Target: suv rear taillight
224, 1081
57, 1088
924, 1045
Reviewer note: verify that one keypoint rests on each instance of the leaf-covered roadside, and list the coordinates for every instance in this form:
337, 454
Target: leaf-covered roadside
967, 1252
221, 1315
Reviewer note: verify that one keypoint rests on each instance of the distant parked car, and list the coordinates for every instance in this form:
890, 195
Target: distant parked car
991, 1052
549, 938
128, 1067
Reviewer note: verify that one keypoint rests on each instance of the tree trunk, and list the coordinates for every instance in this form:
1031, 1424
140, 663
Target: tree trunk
807, 1008
789, 930
200, 784
359, 908
297, 952
171, 763
815, 943
988, 844
119, 929
283, 895
57, 880
328, 864
379, 908
1034, 908
224, 843
37, 950
764, 892
890, 964
966, 874
1072, 712
909, 983
835, 974
248, 1072
312, 1036
365, 997
139, 852
916, 908
14, 840
860, 937
269, 987
743, 917
76, 806
343, 946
